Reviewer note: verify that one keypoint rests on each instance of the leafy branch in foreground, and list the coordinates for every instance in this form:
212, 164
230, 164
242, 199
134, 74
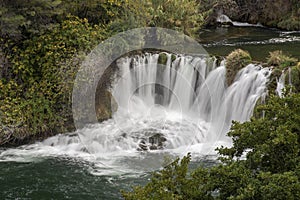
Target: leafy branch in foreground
263, 163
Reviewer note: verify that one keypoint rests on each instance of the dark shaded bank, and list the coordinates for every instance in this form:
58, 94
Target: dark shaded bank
282, 14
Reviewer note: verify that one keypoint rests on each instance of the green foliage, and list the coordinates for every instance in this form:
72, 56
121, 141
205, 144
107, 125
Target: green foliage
96, 11
38, 95
19, 17
263, 162
277, 58
294, 75
180, 15
169, 183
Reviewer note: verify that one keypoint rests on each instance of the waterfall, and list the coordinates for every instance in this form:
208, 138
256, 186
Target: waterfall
185, 101
182, 105
225, 20
280, 84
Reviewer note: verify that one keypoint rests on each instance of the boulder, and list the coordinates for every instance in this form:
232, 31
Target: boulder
153, 142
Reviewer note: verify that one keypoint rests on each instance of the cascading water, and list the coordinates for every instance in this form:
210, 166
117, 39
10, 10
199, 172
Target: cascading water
177, 107
280, 84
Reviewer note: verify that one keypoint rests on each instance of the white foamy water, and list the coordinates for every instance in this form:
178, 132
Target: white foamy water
181, 106
280, 84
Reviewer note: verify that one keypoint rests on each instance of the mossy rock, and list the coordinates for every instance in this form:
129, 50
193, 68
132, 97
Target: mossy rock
173, 57
272, 84
295, 77
162, 59
279, 59
235, 61
281, 62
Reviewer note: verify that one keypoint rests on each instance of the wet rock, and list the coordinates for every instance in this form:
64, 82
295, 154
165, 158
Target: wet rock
143, 146
162, 59
224, 20
154, 142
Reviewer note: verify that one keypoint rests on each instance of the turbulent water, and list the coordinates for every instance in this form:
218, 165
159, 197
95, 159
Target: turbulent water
180, 106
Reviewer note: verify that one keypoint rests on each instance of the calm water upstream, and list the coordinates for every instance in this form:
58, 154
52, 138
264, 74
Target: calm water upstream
258, 41
61, 168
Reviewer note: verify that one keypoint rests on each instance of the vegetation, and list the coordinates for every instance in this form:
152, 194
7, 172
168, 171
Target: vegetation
235, 61
35, 95
277, 58
263, 163
281, 64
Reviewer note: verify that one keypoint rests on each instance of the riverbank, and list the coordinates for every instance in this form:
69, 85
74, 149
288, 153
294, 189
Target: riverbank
280, 14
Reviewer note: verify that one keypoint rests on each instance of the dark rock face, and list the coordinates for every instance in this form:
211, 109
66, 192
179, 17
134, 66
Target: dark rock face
105, 105
224, 20
284, 14
154, 142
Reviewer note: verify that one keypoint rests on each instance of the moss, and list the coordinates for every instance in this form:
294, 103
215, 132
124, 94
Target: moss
173, 57
278, 59
235, 61
294, 76
280, 62
162, 59
272, 85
